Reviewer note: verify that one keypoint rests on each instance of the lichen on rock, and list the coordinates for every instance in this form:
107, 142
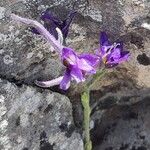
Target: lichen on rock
33, 118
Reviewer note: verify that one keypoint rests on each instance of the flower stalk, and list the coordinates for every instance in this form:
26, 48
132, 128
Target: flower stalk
85, 99
95, 78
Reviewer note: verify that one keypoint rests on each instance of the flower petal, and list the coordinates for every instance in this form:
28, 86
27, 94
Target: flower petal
69, 55
115, 54
104, 50
67, 22
51, 27
124, 56
76, 73
49, 16
104, 39
65, 83
51, 22
85, 66
120, 45
90, 59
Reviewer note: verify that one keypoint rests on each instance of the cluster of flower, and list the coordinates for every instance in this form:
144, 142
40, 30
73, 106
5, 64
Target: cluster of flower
77, 66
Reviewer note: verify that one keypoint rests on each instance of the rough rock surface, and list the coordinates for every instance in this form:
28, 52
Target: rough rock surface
35, 119
25, 57
124, 128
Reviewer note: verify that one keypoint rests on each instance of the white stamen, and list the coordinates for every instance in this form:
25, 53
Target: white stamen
111, 48
67, 85
114, 46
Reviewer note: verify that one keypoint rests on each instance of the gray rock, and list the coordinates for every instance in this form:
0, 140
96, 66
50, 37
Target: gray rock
36, 119
124, 128
128, 83
25, 57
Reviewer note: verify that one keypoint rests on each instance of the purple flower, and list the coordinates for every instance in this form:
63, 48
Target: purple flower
112, 54
76, 68
51, 22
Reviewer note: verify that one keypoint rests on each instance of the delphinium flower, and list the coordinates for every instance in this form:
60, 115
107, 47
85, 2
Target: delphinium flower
77, 66
52, 22
111, 54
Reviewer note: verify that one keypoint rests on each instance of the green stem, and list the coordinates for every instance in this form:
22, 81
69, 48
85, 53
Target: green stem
95, 78
85, 99
86, 122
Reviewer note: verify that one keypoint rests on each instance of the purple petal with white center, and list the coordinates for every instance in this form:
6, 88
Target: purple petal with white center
115, 53
104, 49
124, 55
90, 59
69, 55
65, 83
112, 54
49, 83
85, 66
76, 73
